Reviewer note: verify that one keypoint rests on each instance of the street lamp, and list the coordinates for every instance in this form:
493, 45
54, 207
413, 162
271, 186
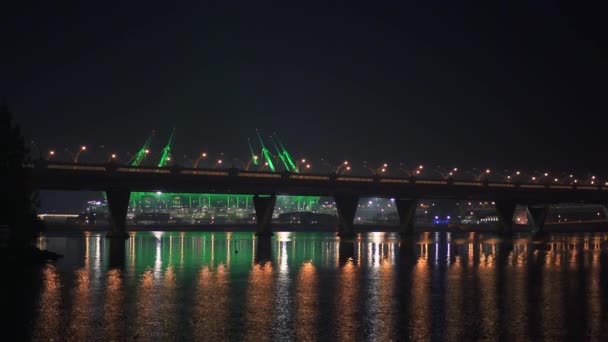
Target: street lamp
77, 155
343, 165
480, 175
445, 173
196, 161
412, 173
201, 157
253, 160
301, 163
376, 171
50, 155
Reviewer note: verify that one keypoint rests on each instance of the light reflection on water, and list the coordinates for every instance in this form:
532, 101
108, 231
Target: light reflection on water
312, 286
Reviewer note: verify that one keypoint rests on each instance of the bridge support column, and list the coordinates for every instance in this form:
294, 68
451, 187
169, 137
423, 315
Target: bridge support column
346, 206
407, 213
538, 215
264, 207
505, 211
118, 204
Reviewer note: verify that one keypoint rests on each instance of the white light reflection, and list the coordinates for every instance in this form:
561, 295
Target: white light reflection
449, 245
97, 261
436, 248
158, 260
283, 299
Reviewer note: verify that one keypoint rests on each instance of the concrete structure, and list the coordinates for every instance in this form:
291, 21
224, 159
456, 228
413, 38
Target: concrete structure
119, 181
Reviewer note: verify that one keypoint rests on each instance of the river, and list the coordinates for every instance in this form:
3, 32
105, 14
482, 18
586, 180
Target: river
312, 286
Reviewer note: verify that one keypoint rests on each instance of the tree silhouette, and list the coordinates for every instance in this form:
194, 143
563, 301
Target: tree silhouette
19, 200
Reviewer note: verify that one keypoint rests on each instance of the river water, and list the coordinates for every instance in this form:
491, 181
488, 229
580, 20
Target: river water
312, 286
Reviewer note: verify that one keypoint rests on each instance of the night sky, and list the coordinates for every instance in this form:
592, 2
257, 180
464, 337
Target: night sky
453, 83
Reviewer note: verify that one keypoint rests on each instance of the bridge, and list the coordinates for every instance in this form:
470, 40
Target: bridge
118, 181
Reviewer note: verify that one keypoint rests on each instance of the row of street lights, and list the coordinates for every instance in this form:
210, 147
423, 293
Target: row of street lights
74, 156
304, 165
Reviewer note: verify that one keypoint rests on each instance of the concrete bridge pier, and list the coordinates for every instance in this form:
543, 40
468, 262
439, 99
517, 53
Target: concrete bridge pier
118, 204
346, 206
406, 208
264, 207
538, 215
505, 210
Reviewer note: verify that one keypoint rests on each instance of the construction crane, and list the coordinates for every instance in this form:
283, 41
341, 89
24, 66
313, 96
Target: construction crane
285, 156
166, 154
265, 153
140, 156
280, 154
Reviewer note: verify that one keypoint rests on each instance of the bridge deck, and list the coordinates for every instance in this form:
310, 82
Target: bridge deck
104, 177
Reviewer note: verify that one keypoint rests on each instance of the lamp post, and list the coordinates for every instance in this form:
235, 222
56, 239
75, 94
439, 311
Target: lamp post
480, 175
198, 159
344, 165
251, 161
445, 173
303, 164
412, 173
377, 171
76, 156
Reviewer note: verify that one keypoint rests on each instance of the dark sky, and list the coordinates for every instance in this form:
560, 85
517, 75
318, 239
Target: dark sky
509, 84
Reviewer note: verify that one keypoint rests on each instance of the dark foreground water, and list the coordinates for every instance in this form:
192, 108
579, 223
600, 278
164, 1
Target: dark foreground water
312, 286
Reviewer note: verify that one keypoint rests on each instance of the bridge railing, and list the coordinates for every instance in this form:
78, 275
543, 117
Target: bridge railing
114, 168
